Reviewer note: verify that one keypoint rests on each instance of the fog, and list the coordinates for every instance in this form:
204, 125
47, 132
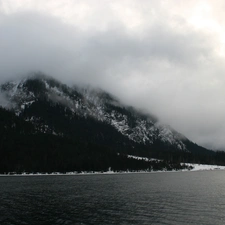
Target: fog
164, 57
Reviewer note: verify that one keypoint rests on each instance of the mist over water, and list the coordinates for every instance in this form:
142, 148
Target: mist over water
155, 198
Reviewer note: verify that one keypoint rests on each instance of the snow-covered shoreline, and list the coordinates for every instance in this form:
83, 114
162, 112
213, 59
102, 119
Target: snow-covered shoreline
196, 167
203, 167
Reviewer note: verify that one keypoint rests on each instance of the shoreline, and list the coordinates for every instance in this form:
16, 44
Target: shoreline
197, 168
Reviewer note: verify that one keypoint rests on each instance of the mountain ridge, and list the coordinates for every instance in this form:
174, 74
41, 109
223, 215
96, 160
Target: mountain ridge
97, 104
87, 125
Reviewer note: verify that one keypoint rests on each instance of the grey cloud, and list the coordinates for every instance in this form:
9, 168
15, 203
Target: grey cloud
161, 71
37, 42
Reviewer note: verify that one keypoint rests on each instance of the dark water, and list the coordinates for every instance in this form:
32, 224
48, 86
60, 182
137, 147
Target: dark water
157, 198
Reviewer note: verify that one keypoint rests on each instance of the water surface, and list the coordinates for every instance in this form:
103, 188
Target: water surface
152, 198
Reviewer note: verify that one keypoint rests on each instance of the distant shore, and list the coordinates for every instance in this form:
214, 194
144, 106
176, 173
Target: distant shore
196, 167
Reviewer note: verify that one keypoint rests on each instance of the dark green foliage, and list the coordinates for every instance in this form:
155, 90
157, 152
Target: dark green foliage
36, 86
10, 123
62, 121
23, 148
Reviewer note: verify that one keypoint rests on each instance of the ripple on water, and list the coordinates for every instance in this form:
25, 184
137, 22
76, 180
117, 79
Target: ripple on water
163, 198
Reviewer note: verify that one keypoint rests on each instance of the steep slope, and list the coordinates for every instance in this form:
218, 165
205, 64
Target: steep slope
25, 149
55, 127
40, 99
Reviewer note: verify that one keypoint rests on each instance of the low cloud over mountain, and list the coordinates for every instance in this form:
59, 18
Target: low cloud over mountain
166, 58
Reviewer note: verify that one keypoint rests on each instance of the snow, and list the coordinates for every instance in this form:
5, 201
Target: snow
26, 104
46, 84
199, 167
143, 158
14, 90
196, 167
167, 135
56, 90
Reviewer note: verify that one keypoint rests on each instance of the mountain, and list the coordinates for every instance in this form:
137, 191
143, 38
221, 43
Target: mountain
52, 121
30, 96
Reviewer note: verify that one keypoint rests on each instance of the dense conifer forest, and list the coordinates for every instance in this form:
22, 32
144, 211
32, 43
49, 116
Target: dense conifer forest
86, 145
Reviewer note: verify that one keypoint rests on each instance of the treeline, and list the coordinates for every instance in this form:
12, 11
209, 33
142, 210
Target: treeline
47, 153
24, 149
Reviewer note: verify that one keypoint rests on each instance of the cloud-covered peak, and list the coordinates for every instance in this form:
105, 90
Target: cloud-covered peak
163, 56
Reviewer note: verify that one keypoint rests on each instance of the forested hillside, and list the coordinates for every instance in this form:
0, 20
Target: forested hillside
52, 127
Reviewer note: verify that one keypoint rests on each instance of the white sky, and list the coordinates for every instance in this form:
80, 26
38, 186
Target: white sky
165, 56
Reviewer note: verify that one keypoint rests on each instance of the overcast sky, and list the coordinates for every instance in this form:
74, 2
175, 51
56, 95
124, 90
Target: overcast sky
164, 56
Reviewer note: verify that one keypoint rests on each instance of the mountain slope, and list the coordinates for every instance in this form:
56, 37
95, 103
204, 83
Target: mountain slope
24, 149
26, 95
84, 125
